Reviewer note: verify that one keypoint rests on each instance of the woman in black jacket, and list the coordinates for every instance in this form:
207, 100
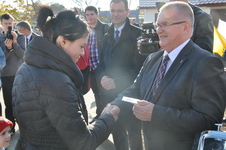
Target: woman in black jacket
47, 103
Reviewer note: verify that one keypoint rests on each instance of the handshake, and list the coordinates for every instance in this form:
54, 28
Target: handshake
113, 110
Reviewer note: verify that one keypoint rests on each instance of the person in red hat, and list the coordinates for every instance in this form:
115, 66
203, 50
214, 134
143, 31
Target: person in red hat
5, 132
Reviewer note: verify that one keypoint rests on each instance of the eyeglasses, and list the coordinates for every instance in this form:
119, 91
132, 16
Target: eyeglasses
164, 25
118, 11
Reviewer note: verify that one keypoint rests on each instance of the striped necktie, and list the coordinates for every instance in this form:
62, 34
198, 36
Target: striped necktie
158, 78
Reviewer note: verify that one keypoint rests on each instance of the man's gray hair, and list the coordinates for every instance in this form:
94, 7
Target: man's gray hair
184, 10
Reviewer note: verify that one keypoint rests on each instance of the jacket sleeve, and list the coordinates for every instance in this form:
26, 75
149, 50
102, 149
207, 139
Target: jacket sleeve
18, 47
2, 59
62, 108
101, 67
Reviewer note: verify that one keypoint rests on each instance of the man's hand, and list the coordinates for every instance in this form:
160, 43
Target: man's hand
143, 110
9, 43
107, 83
14, 36
113, 110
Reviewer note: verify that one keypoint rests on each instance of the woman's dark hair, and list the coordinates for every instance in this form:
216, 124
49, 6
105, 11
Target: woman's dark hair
66, 24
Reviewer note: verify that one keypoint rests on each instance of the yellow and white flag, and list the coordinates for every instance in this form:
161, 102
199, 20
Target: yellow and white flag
219, 43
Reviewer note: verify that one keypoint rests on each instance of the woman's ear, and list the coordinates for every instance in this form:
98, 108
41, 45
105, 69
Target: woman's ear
60, 41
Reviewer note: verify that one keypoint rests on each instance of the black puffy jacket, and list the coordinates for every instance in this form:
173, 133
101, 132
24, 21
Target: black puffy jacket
48, 106
203, 29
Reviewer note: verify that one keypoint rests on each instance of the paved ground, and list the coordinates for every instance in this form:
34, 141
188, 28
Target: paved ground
91, 106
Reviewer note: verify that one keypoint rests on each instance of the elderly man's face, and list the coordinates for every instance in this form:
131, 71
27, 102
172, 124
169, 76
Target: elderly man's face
170, 29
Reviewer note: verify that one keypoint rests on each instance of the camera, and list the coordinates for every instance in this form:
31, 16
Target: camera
149, 39
8, 34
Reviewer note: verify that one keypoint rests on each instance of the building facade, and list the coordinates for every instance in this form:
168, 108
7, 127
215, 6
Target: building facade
216, 8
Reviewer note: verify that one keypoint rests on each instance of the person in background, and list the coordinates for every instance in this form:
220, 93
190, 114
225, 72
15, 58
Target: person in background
2, 65
47, 103
120, 63
1, 28
95, 46
5, 132
180, 89
25, 28
203, 28
38, 31
13, 45
84, 65
133, 22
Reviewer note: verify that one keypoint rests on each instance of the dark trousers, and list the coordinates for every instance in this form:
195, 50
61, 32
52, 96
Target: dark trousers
98, 92
127, 130
7, 86
127, 134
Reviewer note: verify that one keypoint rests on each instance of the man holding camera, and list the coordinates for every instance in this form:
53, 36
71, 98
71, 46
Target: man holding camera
13, 45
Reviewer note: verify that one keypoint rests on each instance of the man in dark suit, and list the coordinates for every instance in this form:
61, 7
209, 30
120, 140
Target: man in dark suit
119, 65
25, 28
183, 98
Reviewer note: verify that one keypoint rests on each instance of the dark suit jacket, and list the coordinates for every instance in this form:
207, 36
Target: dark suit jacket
191, 98
101, 28
120, 61
32, 36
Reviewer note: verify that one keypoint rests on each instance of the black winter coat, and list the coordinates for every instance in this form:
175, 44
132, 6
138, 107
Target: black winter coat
48, 106
120, 61
101, 28
203, 29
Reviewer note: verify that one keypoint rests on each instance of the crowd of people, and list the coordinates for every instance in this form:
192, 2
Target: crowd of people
179, 90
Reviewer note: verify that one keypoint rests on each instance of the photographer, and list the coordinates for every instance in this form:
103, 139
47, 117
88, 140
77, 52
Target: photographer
148, 42
13, 45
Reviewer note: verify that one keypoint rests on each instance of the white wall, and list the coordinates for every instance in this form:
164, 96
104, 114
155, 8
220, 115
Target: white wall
149, 14
206, 9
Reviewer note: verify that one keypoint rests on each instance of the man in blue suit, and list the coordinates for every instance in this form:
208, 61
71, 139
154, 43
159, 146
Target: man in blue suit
187, 96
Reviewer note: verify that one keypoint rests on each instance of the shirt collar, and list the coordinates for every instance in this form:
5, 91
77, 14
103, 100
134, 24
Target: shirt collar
29, 36
174, 53
120, 28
